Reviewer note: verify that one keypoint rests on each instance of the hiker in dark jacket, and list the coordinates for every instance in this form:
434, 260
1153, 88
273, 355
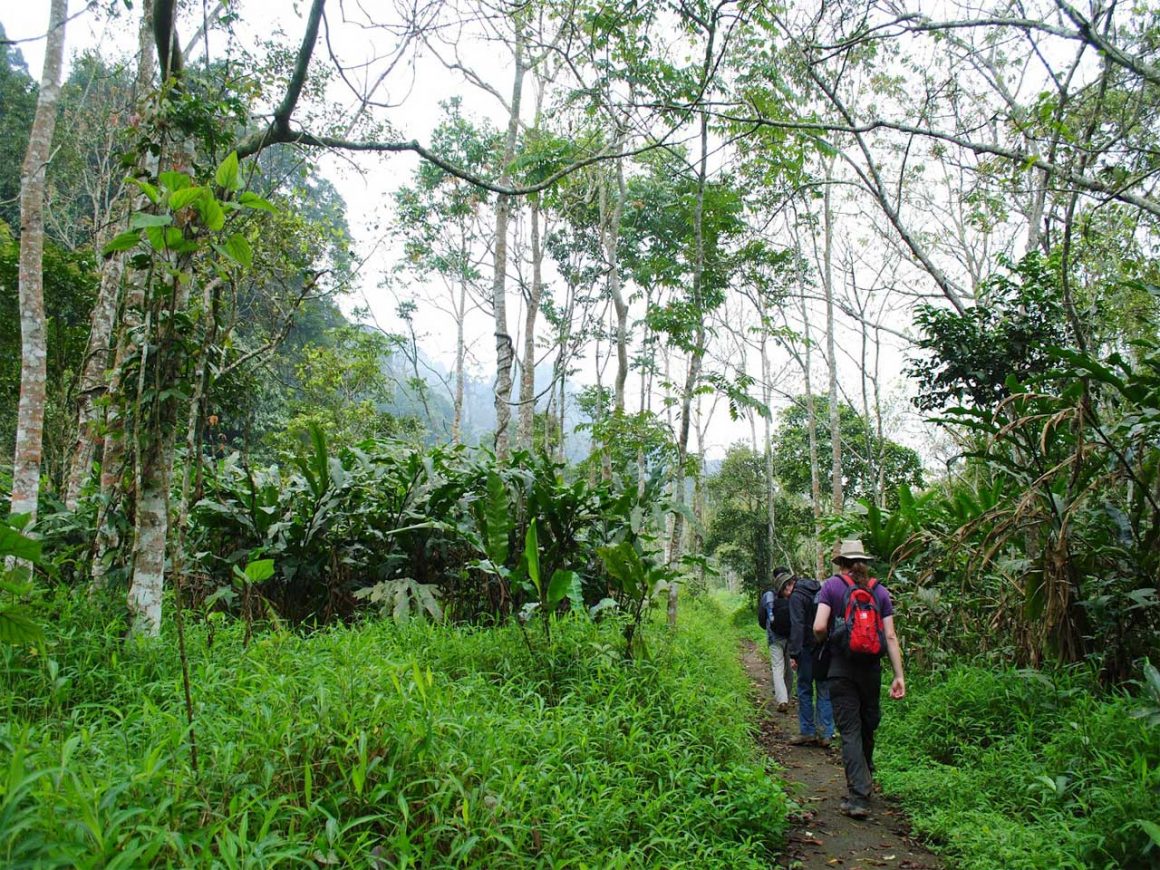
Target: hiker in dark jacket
855, 676
773, 616
813, 694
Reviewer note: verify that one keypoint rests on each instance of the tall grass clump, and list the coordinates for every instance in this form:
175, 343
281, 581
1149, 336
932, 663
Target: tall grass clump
380, 744
1025, 769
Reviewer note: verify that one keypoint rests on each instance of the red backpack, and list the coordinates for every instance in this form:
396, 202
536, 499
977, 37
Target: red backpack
859, 630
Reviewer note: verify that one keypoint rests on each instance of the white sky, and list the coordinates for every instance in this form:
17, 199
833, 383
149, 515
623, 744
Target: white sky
366, 184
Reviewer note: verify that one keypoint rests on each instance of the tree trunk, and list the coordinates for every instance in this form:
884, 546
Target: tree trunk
504, 351
766, 399
616, 287
528, 372
812, 430
33, 340
693, 373
95, 374
460, 373
828, 287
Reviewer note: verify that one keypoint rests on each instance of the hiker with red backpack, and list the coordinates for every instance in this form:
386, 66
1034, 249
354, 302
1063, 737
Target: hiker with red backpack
855, 617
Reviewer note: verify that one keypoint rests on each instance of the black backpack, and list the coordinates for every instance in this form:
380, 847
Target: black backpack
780, 624
765, 608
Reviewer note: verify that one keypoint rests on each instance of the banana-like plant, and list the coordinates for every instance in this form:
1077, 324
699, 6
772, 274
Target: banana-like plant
18, 551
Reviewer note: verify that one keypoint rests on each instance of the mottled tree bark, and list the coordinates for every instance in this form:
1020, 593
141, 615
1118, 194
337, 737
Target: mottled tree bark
460, 373
504, 352
531, 313
95, 374
836, 493
616, 286
33, 341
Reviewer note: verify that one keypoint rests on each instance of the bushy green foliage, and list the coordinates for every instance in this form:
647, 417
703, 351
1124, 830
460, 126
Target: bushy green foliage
382, 744
738, 519
865, 456
384, 512
1024, 769
970, 356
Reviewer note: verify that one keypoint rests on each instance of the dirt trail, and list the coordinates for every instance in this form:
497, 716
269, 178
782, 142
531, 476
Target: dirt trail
821, 837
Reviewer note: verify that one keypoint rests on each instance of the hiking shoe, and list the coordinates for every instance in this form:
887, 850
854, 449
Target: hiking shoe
802, 740
782, 707
824, 742
855, 809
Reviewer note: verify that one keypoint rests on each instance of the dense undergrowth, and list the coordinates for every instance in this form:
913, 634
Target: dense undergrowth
1024, 769
382, 745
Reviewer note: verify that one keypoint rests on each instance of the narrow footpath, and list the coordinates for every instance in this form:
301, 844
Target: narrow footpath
820, 836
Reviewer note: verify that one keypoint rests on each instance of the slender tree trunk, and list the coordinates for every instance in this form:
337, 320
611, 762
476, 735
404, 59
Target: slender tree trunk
828, 286
693, 372
881, 445
33, 329
95, 375
504, 350
460, 367
616, 287
766, 399
528, 372
812, 432
698, 540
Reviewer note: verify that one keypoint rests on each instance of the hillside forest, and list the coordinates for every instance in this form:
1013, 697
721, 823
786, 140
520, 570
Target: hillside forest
429, 535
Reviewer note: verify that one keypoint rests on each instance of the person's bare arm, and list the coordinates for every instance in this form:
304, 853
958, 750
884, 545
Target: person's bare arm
898, 686
822, 621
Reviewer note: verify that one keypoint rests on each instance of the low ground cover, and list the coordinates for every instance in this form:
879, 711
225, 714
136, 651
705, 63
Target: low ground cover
413, 745
1023, 769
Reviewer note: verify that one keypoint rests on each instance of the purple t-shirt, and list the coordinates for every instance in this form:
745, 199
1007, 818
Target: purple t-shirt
833, 593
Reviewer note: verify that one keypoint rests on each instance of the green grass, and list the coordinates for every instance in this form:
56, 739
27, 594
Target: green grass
1018, 770
415, 745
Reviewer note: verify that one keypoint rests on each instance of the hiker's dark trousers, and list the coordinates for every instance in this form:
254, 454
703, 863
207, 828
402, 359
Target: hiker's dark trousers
857, 712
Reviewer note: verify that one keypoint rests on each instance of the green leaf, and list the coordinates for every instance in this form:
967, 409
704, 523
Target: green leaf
532, 557
122, 242
148, 189
227, 174
16, 627
212, 214
156, 237
179, 199
624, 566
238, 249
498, 520
1152, 675
174, 180
1151, 829
12, 543
249, 199
563, 585
259, 571
142, 220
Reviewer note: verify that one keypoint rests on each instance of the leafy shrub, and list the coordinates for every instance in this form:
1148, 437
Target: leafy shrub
387, 513
1024, 770
402, 745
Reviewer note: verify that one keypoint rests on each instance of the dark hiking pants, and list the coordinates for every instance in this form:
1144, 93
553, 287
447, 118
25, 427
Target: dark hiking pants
857, 712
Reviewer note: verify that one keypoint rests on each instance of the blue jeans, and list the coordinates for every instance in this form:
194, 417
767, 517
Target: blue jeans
807, 687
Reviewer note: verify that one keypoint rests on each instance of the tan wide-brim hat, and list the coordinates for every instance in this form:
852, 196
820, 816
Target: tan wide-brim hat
851, 550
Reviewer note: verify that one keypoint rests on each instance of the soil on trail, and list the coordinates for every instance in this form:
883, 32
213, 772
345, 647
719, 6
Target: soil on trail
820, 835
